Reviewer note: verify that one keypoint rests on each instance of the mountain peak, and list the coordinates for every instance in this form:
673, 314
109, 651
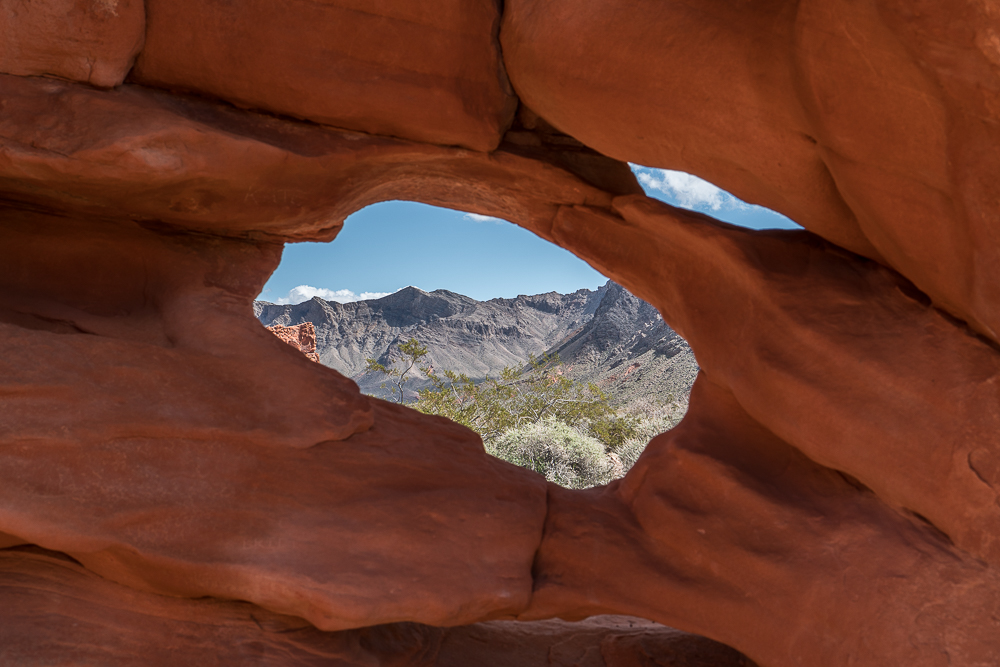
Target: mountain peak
408, 289
593, 331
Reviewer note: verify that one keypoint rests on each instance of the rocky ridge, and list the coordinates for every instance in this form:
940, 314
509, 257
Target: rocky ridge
606, 336
630, 352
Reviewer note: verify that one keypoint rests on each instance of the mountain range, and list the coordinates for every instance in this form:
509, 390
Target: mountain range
606, 336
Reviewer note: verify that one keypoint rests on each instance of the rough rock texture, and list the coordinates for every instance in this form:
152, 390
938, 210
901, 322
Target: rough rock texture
716, 517
793, 360
831, 497
94, 41
630, 352
300, 336
110, 308
292, 530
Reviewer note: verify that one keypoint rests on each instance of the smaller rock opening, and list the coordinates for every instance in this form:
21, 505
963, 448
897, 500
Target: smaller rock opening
687, 191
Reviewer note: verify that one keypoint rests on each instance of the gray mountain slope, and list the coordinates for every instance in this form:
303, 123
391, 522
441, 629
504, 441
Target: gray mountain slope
628, 351
594, 333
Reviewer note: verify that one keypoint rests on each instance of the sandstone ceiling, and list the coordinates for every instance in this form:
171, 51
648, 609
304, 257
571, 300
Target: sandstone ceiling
831, 498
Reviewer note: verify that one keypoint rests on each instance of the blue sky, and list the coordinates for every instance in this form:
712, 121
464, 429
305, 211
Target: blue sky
391, 245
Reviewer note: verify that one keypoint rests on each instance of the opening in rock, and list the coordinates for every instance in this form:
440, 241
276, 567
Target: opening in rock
695, 194
559, 369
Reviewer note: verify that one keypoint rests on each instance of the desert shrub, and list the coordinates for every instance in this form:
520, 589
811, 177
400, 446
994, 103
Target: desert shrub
539, 418
651, 418
630, 451
654, 417
517, 398
614, 430
560, 452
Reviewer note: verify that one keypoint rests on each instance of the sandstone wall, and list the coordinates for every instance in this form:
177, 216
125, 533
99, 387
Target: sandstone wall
831, 497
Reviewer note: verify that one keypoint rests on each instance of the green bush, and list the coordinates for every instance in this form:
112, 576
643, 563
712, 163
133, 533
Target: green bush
614, 430
539, 418
516, 398
561, 453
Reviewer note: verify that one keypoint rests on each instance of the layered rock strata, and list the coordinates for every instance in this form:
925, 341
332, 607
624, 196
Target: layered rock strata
831, 497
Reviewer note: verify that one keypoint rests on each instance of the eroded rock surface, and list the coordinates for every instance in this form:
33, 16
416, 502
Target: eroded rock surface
94, 41
818, 347
718, 513
831, 497
300, 336
110, 308
310, 534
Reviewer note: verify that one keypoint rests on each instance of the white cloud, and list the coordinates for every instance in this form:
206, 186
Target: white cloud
687, 191
475, 217
306, 292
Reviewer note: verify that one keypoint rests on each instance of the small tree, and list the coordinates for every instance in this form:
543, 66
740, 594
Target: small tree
412, 352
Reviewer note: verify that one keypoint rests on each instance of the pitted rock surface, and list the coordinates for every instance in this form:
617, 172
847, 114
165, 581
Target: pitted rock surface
300, 336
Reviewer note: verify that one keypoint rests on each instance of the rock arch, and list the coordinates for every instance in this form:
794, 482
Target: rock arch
830, 498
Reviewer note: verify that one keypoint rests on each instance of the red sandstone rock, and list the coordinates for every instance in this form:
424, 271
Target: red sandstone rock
50, 606
9, 541
55, 612
601, 641
428, 71
301, 336
712, 93
188, 163
94, 41
164, 444
110, 309
820, 348
871, 124
831, 497
410, 520
722, 526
